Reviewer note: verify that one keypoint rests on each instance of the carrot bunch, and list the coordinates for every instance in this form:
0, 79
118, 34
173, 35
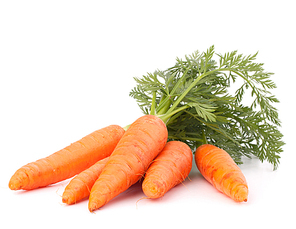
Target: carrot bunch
110, 160
187, 109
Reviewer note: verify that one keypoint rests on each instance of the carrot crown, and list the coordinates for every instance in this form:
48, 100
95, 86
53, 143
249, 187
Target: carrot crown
194, 99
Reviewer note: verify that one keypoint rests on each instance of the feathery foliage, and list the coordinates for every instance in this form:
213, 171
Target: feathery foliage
193, 99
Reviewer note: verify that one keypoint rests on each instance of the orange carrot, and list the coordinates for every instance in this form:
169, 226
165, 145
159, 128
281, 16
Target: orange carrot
80, 186
220, 170
69, 161
168, 169
140, 144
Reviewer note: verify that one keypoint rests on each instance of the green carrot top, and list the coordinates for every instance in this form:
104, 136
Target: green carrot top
194, 100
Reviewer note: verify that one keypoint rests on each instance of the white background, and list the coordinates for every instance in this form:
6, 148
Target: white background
66, 69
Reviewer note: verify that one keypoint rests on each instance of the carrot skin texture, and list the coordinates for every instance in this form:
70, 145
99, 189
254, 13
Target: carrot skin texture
141, 143
80, 186
221, 171
69, 161
168, 169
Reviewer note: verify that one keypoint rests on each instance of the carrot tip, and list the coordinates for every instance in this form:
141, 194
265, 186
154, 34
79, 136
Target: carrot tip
65, 200
92, 207
153, 189
242, 194
15, 184
68, 198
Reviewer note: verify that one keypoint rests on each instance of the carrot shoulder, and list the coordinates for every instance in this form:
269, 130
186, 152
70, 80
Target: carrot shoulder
140, 144
80, 186
168, 169
69, 161
220, 170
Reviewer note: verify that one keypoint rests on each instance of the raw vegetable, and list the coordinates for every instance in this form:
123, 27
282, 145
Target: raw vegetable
140, 144
168, 169
220, 170
69, 161
194, 100
190, 102
80, 186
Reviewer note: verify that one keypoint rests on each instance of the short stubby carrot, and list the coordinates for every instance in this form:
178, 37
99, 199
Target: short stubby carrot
80, 186
141, 143
168, 169
221, 171
69, 161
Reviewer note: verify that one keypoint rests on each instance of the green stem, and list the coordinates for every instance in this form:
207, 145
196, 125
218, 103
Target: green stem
248, 81
177, 85
193, 84
186, 138
203, 141
204, 138
165, 118
126, 127
174, 117
153, 104
164, 106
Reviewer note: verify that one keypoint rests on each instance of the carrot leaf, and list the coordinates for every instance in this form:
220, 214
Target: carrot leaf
195, 101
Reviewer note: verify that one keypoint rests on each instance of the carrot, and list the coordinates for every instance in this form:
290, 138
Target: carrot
141, 143
168, 169
80, 186
220, 170
69, 161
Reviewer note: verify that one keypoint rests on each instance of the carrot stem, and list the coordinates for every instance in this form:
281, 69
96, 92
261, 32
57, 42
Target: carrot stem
205, 141
164, 105
126, 127
181, 97
153, 104
165, 118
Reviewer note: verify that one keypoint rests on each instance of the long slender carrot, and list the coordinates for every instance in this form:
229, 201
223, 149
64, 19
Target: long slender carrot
80, 186
69, 161
220, 170
140, 144
168, 169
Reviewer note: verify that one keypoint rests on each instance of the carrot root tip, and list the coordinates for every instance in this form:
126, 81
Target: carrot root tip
92, 207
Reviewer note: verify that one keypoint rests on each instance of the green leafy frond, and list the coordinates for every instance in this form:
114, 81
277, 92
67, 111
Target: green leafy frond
193, 98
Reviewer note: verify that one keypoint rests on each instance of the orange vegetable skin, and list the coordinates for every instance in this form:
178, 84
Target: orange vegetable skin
140, 144
220, 170
69, 161
80, 186
168, 169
